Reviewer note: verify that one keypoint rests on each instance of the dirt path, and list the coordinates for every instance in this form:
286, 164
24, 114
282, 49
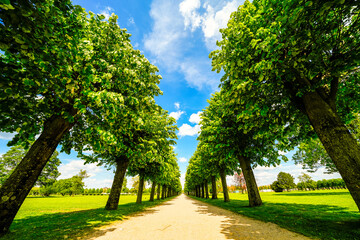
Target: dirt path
185, 218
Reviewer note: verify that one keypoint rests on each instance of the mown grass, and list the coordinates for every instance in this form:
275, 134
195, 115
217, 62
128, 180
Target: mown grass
58, 217
324, 214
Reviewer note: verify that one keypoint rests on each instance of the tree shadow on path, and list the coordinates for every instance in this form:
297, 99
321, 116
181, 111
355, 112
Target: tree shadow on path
316, 221
77, 224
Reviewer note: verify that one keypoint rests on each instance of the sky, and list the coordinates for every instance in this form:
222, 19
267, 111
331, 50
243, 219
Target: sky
177, 37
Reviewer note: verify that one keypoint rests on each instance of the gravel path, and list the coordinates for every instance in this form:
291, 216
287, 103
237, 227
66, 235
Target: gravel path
186, 218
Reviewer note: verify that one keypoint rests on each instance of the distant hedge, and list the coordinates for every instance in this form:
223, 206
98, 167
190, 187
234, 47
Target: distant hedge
337, 183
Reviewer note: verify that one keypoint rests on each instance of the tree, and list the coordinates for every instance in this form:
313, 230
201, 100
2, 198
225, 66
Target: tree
305, 182
65, 78
124, 183
275, 186
239, 181
304, 178
71, 186
47, 190
297, 63
135, 183
284, 181
152, 192
155, 150
12, 158
228, 141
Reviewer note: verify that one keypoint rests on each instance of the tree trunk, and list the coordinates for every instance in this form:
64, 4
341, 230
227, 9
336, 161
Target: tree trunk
224, 185
163, 191
337, 140
206, 189
252, 189
15, 189
121, 165
141, 188
169, 192
197, 191
152, 193
158, 191
213, 188
203, 190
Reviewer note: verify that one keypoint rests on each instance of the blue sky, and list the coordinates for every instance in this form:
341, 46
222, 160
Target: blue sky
176, 36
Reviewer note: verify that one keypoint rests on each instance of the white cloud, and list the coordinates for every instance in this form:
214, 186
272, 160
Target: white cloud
88, 152
73, 167
107, 11
177, 114
188, 11
6, 136
182, 159
187, 130
131, 21
177, 105
195, 118
169, 43
198, 73
166, 39
283, 153
215, 17
215, 20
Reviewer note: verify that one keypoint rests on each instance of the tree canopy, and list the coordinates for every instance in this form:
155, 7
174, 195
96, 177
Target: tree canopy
295, 64
72, 77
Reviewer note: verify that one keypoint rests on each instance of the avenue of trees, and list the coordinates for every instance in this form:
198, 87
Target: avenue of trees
290, 79
72, 78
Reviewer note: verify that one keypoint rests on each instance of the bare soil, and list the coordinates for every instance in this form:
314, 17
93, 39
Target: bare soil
186, 218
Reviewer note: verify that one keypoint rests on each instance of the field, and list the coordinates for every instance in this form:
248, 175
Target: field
58, 217
324, 214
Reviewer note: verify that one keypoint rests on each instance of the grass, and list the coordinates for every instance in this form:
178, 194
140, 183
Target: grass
324, 214
58, 217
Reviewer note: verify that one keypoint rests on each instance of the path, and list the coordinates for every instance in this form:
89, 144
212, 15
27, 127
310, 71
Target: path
186, 218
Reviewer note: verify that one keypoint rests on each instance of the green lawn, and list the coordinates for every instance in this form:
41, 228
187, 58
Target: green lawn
324, 214
58, 217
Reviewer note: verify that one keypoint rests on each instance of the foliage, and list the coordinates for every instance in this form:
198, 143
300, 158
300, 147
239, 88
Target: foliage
155, 158
331, 184
102, 75
62, 64
276, 186
269, 66
12, 158
304, 178
285, 63
135, 183
47, 190
71, 186
35, 191
306, 183
284, 181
